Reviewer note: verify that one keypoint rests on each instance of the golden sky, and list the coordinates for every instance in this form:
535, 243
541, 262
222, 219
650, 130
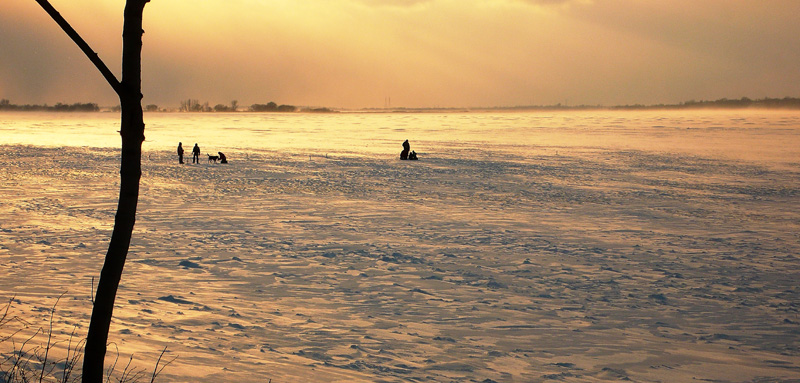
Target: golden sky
419, 53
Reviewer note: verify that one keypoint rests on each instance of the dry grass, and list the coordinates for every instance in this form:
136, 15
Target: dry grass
33, 357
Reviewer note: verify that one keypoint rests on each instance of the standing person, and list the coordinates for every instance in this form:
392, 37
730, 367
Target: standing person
196, 154
180, 152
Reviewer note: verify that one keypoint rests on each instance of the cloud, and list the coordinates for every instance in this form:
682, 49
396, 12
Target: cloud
355, 53
394, 3
727, 48
561, 3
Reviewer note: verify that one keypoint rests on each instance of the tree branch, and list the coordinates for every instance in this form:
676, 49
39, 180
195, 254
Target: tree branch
87, 50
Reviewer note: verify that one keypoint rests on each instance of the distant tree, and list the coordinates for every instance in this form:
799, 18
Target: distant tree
221, 108
151, 108
272, 107
129, 91
234, 105
77, 107
319, 110
190, 105
269, 107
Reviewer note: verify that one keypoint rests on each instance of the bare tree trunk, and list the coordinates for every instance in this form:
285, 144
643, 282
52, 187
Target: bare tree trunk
132, 133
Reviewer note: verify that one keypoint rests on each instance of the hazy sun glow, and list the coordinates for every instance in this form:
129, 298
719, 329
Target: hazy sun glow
359, 53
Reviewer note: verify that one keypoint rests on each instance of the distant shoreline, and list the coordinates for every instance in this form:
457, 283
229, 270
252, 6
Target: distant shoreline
786, 103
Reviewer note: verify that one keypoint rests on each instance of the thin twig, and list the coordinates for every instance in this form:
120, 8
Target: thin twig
129, 374
156, 370
49, 338
17, 367
4, 319
71, 360
113, 366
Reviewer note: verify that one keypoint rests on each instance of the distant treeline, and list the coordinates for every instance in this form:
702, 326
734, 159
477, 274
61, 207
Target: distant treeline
272, 107
723, 103
740, 103
188, 105
191, 105
6, 105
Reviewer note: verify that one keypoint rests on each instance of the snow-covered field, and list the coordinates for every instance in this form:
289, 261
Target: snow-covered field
520, 248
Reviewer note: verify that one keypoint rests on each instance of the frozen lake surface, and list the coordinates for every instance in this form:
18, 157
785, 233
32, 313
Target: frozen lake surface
769, 137
522, 247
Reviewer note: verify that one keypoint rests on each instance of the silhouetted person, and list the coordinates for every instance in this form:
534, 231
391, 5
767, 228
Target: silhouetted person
222, 158
180, 152
406, 148
196, 154
412, 156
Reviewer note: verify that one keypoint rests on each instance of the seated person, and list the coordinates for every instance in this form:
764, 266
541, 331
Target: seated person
406, 148
222, 158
